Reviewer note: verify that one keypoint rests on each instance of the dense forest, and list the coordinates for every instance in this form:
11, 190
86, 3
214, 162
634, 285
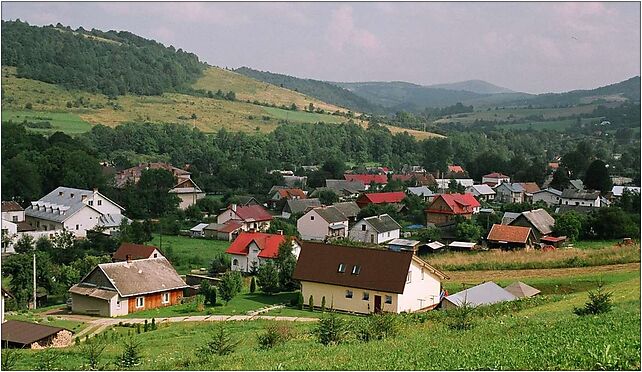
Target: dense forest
112, 63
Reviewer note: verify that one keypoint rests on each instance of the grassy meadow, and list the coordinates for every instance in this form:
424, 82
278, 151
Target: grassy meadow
188, 253
536, 334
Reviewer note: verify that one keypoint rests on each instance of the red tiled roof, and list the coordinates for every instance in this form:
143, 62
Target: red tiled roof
136, 251
381, 179
383, 197
530, 187
455, 169
553, 239
252, 213
291, 193
11, 206
424, 179
267, 243
509, 233
496, 175
230, 226
553, 165
458, 203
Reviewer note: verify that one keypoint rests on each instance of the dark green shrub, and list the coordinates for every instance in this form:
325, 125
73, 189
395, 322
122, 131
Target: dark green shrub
599, 302
299, 301
220, 344
130, 356
461, 318
274, 335
253, 285
311, 303
323, 304
331, 329
91, 352
377, 327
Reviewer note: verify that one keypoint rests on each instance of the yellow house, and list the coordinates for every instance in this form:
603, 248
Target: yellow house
365, 280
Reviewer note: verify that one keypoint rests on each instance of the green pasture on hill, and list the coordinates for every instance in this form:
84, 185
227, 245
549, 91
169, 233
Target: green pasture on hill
66, 122
302, 116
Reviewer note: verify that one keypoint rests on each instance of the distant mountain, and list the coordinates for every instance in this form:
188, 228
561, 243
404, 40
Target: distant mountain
475, 86
326, 92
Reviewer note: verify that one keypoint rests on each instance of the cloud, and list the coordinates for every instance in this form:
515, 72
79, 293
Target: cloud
342, 33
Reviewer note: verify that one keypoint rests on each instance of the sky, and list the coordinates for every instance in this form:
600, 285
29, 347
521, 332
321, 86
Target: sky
530, 47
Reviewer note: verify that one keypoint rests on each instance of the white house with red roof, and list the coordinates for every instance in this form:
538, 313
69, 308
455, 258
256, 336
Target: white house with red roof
445, 207
251, 249
495, 178
251, 217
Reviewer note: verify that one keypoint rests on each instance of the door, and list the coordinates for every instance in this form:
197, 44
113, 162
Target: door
377, 304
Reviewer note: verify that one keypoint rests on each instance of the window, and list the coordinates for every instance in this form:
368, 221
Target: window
388, 233
140, 302
409, 277
77, 227
363, 227
348, 293
155, 255
366, 296
422, 274
388, 299
14, 218
342, 268
356, 269
91, 202
100, 202
235, 262
311, 218
118, 304
165, 299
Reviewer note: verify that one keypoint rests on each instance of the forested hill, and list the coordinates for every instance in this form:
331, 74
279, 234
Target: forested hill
326, 92
113, 63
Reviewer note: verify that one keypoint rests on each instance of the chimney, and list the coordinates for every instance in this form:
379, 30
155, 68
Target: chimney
95, 190
233, 206
128, 258
83, 197
280, 232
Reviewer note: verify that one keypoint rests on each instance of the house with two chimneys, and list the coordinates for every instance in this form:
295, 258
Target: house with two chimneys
366, 280
75, 210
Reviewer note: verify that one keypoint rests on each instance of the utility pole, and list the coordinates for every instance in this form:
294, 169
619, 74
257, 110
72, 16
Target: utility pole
34, 279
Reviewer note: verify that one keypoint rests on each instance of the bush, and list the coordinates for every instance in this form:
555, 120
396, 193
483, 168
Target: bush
460, 318
311, 303
599, 302
377, 327
323, 304
299, 301
253, 285
331, 330
130, 356
220, 344
231, 285
209, 292
199, 303
275, 334
92, 352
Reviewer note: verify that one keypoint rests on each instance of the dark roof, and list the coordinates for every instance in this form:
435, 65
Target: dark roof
24, 226
382, 223
296, 206
136, 251
11, 206
26, 333
574, 194
331, 214
349, 209
380, 270
540, 219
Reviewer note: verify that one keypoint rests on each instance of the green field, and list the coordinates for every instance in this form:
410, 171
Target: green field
189, 253
543, 334
69, 123
302, 116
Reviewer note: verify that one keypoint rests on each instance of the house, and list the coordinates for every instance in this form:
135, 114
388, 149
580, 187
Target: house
197, 231
444, 182
349, 209
416, 179
583, 198
223, 231
530, 188
616, 192
508, 192
14, 225
550, 196
495, 178
343, 186
251, 249
121, 288
509, 237
380, 198
245, 200
483, 294
279, 196
455, 169
522, 290
298, 206
404, 245
323, 223
375, 229
367, 179
577, 185
538, 220
366, 280
482, 192
75, 210
27, 335
509, 217
445, 207
187, 191
131, 251
422, 191
252, 217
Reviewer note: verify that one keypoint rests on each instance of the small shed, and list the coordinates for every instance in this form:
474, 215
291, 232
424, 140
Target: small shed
522, 290
21, 334
462, 245
487, 293
403, 245
197, 231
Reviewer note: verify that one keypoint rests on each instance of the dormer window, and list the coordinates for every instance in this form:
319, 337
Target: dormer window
71, 195
356, 269
342, 268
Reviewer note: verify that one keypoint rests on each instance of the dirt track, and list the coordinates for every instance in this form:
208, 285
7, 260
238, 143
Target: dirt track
483, 275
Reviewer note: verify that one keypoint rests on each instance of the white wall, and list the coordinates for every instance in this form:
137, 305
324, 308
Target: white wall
86, 219
105, 207
582, 202
309, 229
547, 197
19, 215
89, 305
188, 199
367, 236
422, 291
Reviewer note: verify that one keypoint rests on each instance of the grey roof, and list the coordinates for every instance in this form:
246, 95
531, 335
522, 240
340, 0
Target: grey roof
292, 180
92, 291
382, 223
513, 187
619, 190
349, 209
509, 217
199, 227
585, 195
112, 220
345, 185
550, 190
300, 205
59, 204
482, 294
421, 191
404, 242
331, 214
483, 189
578, 184
541, 220
142, 276
521, 290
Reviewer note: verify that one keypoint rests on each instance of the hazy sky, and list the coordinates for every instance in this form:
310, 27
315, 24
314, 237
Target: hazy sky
531, 47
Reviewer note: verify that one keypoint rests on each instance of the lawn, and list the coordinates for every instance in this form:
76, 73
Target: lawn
547, 336
66, 122
187, 253
302, 116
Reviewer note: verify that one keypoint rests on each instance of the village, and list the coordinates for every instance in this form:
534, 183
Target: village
348, 256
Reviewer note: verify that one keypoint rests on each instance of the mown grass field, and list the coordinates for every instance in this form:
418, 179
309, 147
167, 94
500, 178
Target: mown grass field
190, 253
542, 334
60, 121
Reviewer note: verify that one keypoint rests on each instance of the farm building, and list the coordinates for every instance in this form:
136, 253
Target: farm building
522, 290
509, 237
250, 249
483, 294
120, 288
197, 231
366, 280
445, 207
538, 220
380, 198
131, 251
223, 231
19, 334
